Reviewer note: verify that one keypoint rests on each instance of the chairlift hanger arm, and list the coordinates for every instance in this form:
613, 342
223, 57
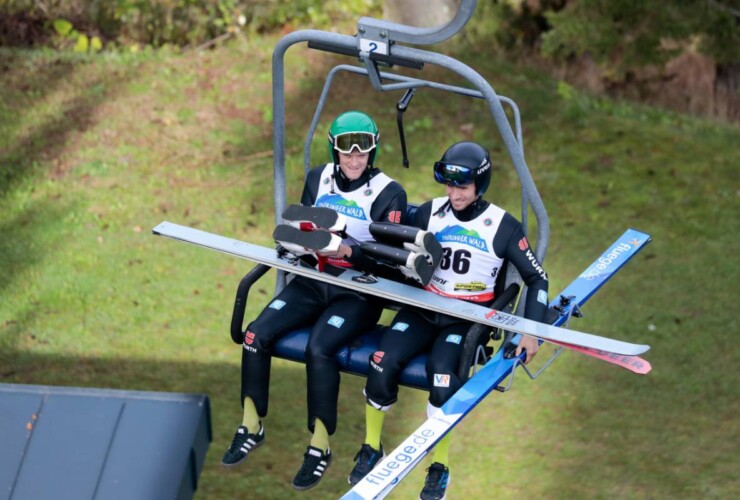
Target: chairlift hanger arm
383, 31
354, 51
413, 54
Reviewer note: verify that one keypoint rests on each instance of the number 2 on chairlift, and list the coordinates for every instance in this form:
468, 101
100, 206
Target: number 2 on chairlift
373, 46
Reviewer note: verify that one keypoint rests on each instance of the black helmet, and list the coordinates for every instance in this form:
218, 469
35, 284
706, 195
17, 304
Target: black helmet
464, 163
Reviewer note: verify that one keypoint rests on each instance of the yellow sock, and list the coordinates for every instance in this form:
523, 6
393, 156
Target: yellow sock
373, 426
320, 438
441, 450
251, 420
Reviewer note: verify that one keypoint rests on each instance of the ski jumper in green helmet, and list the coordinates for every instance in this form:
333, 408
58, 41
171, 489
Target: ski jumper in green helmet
353, 131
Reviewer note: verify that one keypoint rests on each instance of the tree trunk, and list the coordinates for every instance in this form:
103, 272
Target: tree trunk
419, 13
727, 89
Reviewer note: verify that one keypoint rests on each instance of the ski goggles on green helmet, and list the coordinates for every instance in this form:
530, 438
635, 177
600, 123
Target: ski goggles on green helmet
364, 142
453, 175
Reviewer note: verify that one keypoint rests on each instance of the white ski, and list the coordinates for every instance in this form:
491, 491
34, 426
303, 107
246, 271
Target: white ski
400, 292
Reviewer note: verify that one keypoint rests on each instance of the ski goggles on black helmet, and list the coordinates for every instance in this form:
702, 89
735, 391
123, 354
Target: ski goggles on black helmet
453, 175
457, 175
364, 142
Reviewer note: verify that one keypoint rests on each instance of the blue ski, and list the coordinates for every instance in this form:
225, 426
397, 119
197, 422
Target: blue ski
397, 464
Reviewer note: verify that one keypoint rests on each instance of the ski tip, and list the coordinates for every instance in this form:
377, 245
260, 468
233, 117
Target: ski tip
156, 230
648, 237
640, 349
644, 369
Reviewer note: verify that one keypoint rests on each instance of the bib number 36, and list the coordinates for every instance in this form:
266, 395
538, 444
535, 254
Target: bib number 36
459, 260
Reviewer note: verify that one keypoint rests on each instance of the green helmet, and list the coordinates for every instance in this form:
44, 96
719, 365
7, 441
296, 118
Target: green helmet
353, 130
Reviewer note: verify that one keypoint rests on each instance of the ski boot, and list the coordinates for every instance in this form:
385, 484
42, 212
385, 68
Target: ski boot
311, 218
412, 238
300, 242
415, 265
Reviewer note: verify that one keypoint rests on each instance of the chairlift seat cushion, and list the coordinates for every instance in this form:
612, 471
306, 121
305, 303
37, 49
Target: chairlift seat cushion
354, 358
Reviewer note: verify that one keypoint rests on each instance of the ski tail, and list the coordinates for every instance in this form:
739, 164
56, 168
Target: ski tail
397, 464
635, 364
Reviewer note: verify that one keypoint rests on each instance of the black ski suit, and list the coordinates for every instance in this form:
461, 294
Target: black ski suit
462, 273
337, 315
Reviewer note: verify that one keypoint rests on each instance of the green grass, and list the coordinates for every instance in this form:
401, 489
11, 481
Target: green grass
96, 150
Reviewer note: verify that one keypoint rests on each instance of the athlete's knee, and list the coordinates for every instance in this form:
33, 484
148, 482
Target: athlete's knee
441, 387
317, 351
379, 403
385, 364
443, 382
436, 364
382, 381
255, 340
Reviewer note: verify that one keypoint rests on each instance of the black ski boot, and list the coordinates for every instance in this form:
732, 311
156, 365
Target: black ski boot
294, 240
309, 218
412, 238
413, 264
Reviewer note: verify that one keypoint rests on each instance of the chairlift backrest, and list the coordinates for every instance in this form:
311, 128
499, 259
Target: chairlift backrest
379, 42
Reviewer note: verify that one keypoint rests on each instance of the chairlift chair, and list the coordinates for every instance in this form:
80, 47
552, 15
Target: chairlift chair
379, 43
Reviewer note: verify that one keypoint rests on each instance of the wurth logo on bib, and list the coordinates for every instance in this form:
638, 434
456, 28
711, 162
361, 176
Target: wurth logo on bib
523, 244
394, 216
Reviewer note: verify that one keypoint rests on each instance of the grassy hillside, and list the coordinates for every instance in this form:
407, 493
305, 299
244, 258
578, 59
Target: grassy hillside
96, 150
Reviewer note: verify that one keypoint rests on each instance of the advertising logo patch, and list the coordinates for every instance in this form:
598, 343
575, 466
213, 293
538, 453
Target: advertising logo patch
336, 321
342, 206
401, 327
459, 234
473, 286
542, 297
277, 304
441, 380
249, 338
533, 260
378, 356
523, 244
599, 268
453, 339
394, 216
439, 280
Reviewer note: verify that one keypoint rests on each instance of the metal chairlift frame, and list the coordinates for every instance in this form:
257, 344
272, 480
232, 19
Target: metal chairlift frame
378, 41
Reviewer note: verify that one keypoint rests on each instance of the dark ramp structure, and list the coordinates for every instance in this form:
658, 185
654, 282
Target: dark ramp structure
68, 442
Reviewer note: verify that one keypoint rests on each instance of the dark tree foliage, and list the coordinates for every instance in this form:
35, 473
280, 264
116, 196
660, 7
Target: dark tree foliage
167, 22
626, 34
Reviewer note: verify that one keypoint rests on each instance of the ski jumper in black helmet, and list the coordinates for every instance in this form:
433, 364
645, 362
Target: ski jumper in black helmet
463, 163
477, 243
